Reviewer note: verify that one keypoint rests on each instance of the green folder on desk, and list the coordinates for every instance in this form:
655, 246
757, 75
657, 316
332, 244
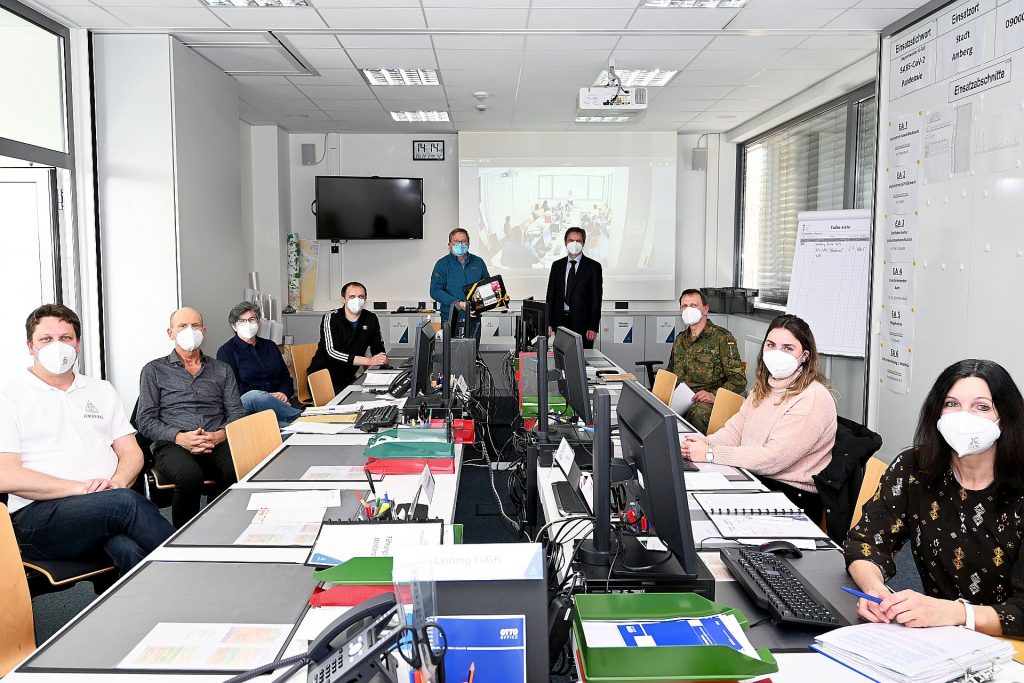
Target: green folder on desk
661, 663
410, 443
367, 571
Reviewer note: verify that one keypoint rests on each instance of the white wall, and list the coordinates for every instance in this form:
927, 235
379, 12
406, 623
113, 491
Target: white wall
208, 181
169, 179
135, 178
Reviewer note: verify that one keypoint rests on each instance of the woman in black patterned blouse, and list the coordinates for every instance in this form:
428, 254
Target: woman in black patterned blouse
958, 497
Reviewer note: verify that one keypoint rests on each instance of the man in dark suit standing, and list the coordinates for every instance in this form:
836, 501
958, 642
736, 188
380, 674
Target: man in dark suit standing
575, 289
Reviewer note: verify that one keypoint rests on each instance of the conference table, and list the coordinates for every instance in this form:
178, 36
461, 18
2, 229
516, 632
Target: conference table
201, 576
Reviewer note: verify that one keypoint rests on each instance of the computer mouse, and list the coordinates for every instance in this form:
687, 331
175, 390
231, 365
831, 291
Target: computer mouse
781, 548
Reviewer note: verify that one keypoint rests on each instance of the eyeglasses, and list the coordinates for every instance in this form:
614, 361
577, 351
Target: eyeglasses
252, 319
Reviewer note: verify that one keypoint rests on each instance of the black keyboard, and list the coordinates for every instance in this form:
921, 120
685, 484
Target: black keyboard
381, 417
776, 586
689, 466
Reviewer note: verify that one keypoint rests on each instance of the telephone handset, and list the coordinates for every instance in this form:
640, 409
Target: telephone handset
355, 647
401, 384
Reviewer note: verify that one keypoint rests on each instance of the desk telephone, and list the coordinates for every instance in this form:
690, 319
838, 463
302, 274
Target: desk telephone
400, 385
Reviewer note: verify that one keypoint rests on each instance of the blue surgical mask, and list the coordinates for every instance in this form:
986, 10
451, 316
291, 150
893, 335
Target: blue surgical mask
460, 249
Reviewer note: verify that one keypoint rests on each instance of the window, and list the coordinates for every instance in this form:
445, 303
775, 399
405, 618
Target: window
36, 162
801, 166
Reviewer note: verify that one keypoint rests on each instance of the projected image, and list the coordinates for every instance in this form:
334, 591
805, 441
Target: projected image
524, 213
519, 193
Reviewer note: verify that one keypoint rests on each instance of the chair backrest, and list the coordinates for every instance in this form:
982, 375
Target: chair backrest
727, 404
17, 633
251, 439
302, 356
321, 387
873, 472
664, 385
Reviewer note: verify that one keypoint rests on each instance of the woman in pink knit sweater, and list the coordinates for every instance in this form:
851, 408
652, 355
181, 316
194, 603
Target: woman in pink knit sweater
785, 430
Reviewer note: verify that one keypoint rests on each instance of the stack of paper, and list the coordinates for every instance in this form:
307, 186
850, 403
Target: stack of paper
894, 653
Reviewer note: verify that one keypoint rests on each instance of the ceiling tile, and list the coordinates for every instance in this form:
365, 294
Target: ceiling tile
764, 92
89, 17
335, 4
410, 92
478, 59
465, 94
715, 77
566, 59
755, 42
481, 78
388, 41
257, 79
310, 114
331, 77
579, 77
141, 3
868, 18
774, 19
832, 59
790, 76
366, 17
571, 42
777, 5
653, 59
327, 58
663, 42
348, 105
59, 3
756, 106
674, 93
451, 17
268, 91
548, 93
734, 59
477, 3
689, 18
684, 105
244, 59
363, 115
586, 3
892, 4
347, 92
579, 18
281, 105
485, 42
166, 17
861, 41
301, 40
385, 59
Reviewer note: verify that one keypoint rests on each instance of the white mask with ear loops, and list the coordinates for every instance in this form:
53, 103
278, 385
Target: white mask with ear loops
967, 433
57, 357
780, 364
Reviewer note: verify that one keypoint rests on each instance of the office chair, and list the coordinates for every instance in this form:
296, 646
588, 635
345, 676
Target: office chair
251, 439
649, 366
17, 633
302, 356
727, 404
148, 483
321, 387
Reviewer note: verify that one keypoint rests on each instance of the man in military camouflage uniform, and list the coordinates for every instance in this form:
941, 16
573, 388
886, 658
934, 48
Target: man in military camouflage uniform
705, 357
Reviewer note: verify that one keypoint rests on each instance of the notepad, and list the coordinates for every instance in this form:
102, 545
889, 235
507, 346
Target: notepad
771, 503
893, 653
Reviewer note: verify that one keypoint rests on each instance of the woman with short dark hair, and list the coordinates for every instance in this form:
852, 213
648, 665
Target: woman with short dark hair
958, 497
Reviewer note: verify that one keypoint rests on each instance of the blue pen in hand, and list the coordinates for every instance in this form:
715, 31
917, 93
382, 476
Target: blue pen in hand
854, 591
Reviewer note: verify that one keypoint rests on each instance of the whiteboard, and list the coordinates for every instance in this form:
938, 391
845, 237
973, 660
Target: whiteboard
949, 251
829, 284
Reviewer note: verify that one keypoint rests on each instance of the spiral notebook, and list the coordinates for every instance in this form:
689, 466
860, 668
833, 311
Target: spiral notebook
770, 503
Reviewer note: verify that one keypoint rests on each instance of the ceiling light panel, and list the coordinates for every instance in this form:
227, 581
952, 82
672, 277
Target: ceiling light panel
420, 116
256, 3
642, 77
602, 119
401, 76
726, 4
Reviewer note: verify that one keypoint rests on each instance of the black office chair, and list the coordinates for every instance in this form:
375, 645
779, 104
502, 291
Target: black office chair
148, 483
649, 365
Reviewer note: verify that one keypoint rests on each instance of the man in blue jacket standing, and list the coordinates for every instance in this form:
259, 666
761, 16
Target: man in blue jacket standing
452, 273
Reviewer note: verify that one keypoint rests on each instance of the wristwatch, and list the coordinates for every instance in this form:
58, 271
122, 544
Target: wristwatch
969, 614
709, 456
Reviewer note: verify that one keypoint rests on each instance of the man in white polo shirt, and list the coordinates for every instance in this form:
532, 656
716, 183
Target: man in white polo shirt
68, 455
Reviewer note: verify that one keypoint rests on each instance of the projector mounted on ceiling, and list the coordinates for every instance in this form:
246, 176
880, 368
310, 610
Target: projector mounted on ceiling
610, 100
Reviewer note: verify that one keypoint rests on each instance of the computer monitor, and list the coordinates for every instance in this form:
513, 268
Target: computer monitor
533, 324
649, 435
572, 381
423, 347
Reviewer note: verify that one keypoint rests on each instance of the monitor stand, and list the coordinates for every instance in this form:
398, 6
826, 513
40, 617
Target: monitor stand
666, 577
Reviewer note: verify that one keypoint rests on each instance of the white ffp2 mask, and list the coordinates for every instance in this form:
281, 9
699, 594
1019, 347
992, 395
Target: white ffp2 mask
355, 305
691, 316
779, 363
57, 357
247, 330
574, 248
189, 338
968, 434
